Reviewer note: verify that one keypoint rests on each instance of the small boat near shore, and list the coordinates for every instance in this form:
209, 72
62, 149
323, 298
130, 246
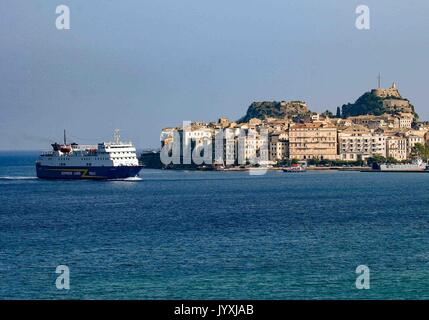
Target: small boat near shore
294, 169
301, 166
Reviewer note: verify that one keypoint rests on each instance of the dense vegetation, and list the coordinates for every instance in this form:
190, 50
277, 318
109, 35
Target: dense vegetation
366, 104
377, 159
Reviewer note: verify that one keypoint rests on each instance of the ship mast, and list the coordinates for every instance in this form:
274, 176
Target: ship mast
65, 138
117, 136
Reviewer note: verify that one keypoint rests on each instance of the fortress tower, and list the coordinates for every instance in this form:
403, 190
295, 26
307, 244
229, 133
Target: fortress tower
392, 99
387, 92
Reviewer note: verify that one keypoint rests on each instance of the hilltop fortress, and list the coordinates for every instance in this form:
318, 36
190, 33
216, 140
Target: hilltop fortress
387, 92
392, 99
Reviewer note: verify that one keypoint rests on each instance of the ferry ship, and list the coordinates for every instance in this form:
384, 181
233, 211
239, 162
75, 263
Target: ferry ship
107, 160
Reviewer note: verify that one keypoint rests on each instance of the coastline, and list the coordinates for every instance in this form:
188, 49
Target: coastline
238, 169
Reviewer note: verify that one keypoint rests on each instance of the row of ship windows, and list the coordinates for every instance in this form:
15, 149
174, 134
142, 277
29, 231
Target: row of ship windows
68, 159
82, 159
99, 158
63, 164
94, 159
121, 152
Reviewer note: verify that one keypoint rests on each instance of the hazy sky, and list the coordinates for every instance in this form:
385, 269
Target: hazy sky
143, 65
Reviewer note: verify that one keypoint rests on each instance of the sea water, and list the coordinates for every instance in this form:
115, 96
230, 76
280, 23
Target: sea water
213, 235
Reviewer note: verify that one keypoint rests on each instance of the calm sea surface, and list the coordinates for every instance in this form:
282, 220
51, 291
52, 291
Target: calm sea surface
211, 235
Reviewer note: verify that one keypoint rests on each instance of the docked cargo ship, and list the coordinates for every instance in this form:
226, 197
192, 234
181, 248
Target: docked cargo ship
107, 160
415, 165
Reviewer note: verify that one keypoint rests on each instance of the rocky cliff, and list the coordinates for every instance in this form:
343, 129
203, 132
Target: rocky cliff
275, 109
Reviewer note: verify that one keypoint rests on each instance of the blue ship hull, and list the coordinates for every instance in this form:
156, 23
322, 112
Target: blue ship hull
53, 172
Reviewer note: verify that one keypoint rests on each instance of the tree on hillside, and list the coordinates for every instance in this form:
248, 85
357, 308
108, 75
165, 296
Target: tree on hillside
338, 115
366, 104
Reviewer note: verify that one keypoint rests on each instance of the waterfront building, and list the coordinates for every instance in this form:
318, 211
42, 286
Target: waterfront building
397, 147
182, 141
252, 146
378, 143
226, 147
412, 140
279, 146
360, 143
313, 141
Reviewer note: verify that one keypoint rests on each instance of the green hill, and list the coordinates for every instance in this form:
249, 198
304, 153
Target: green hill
372, 104
368, 103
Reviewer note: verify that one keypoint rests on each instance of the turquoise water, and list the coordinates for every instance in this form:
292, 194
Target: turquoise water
207, 235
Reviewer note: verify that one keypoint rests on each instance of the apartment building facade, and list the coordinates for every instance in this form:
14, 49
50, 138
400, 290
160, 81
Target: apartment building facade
313, 141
